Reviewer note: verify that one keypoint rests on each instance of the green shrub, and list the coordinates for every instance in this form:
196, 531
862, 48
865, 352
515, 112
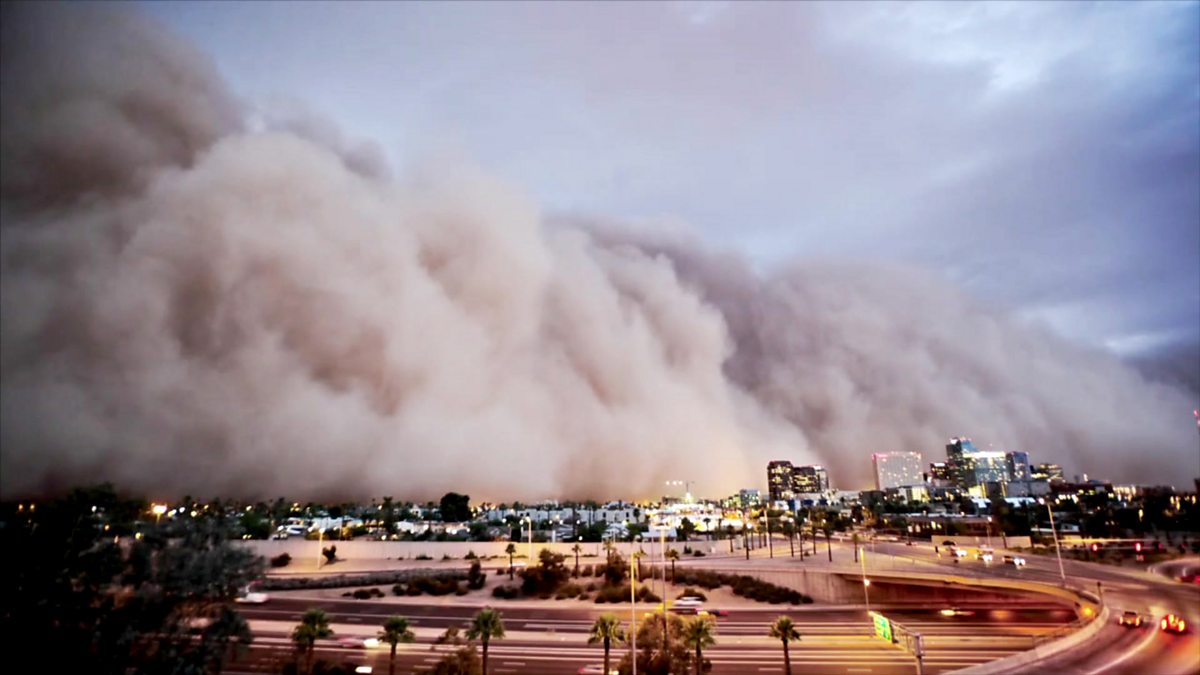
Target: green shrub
692, 592
362, 594
422, 556
281, 560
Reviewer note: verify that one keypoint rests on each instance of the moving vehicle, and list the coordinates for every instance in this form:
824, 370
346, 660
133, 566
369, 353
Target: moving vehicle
712, 612
1130, 619
358, 642
1173, 623
252, 598
1014, 560
688, 604
596, 669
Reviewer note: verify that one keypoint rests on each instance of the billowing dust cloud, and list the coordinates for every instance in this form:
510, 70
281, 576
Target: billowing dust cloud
192, 306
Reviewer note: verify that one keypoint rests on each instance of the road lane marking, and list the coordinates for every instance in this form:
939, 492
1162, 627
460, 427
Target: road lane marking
1141, 645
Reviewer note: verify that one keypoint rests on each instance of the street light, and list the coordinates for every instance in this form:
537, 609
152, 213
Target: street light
529, 519
1054, 531
158, 510
862, 558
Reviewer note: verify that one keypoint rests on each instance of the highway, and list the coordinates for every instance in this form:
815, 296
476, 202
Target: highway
1116, 650
553, 640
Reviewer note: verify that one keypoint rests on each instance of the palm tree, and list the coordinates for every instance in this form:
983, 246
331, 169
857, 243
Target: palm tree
785, 631
730, 532
576, 549
511, 550
606, 630
486, 625
313, 626
672, 555
395, 630
698, 634
828, 530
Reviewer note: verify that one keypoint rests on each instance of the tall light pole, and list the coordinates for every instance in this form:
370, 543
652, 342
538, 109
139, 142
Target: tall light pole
1054, 531
158, 510
530, 520
862, 558
633, 556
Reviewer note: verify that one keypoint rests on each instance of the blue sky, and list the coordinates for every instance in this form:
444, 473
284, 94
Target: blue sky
1044, 156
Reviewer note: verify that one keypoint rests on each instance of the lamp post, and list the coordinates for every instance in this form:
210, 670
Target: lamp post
1054, 531
529, 519
862, 558
158, 510
633, 555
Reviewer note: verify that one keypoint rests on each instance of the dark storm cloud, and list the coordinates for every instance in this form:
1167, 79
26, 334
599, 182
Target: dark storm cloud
196, 304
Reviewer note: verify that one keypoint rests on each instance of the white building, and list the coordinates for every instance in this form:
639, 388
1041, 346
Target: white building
897, 469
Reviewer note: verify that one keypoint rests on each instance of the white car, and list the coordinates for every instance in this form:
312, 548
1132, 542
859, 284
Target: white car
960, 553
596, 669
253, 598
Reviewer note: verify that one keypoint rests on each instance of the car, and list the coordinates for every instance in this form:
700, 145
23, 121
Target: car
689, 600
596, 669
712, 612
1130, 619
959, 553
1173, 623
1014, 560
358, 642
252, 598
955, 611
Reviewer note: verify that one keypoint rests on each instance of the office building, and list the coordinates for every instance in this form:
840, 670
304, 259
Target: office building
897, 469
810, 479
960, 461
990, 466
1018, 466
779, 480
1050, 472
939, 474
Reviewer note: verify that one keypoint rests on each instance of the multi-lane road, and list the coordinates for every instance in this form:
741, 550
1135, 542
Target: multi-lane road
552, 640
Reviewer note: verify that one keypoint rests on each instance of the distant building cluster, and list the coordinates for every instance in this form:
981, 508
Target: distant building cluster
968, 471
786, 482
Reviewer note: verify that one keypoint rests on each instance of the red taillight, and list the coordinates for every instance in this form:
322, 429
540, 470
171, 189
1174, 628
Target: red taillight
1163, 623
1182, 624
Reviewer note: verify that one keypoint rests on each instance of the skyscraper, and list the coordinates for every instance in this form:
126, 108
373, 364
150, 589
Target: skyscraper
810, 479
1018, 466
960, 460
779, 480
897, 469
1050, 472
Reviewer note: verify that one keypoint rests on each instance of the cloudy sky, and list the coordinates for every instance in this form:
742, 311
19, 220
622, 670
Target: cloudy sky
1044, 156
338, 250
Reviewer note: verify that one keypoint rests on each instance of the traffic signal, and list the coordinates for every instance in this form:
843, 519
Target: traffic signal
1138, 547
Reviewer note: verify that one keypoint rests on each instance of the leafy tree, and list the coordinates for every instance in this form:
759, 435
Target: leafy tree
395, 630
549, 574
686, 529
784, 630
330, 554
313, 626
511, 550
699, 634
455, 508
475, 577
657, 655
486, 625
606, 630
162, 601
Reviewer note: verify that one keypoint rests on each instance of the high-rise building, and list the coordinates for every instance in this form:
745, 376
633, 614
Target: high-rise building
809, 479
779, 480
897, 469
960, 461
1018, 466
940, 472
1050, 472
991, 466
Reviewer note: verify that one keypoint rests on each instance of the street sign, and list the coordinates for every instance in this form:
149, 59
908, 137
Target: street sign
883, 627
